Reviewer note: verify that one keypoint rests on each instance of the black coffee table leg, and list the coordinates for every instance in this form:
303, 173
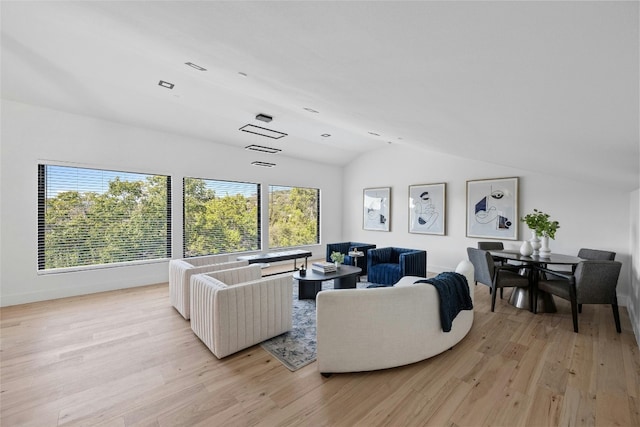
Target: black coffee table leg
347, 282
308, 289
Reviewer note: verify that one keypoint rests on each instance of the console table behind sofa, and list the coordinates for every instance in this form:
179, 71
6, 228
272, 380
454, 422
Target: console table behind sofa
278, 256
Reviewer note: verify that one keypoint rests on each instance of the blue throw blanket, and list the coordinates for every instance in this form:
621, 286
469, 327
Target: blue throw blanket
453, 290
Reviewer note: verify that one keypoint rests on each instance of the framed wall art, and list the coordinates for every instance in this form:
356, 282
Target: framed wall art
427, 204
376, 209
492, 208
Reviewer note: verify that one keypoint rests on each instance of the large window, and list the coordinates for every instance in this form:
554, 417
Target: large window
294, 216
220, 217
90, 217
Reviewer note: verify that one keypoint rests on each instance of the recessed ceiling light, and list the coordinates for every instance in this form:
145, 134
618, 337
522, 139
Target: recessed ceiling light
264, 118
374, 134
259, 130
326, 135
197, 67
166, 84
311, 110
263, 164
262, 149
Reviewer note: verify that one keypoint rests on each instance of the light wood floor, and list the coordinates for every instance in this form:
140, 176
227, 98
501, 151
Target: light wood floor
127, 358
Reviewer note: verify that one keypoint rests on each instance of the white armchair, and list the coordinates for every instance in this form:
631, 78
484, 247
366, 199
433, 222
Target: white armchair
181, 270
237, 308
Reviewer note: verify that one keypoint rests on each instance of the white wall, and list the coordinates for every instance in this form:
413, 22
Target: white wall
589, 216
633, 302
32, 134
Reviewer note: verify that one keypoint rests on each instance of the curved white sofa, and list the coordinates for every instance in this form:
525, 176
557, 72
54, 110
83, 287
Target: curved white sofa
181, 270
379, 328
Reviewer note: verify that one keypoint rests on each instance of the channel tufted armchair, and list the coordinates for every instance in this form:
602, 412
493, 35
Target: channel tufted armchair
346, 247
237, 308
181, 270
386, 266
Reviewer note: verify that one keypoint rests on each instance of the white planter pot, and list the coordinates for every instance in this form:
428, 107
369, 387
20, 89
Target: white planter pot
535, 243
544, 249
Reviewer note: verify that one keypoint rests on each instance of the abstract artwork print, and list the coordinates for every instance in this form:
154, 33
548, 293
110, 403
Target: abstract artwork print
376, 209
427, 208
492, 208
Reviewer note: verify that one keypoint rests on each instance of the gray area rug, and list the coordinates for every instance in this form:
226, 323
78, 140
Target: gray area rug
297, 348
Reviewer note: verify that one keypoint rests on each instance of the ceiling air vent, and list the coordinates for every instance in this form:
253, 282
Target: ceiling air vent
263, 164
196, 66
262, 149
258, 130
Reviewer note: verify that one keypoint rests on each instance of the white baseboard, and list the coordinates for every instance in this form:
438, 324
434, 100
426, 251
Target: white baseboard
634, 317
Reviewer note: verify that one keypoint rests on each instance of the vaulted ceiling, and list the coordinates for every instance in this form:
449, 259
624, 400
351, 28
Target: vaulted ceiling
549, 87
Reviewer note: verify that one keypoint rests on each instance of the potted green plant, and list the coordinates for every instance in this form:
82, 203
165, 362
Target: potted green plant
337, 258
540, 225
539, 222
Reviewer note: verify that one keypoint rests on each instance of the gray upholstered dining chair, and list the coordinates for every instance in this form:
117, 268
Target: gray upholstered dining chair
491, 246
596, 254
496, 276
589, 254
593, 282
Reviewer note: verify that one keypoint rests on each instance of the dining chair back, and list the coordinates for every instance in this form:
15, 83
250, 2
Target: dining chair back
483, 266
596, 254
491, 246
497, 276
494, 246
589, 254
593, 282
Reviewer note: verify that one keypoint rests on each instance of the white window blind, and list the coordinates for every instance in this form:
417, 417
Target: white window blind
294, 216
92, 217
220, 217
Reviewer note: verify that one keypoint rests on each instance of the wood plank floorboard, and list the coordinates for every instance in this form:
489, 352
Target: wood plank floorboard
127, 358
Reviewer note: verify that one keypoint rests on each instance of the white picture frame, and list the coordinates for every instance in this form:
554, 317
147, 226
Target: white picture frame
492, 208
427, 208
376, 209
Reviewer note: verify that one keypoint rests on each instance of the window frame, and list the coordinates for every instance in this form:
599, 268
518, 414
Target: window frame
41, 220
259, 210
317, 219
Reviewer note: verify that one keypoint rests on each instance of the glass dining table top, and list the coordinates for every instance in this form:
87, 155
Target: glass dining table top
537, 259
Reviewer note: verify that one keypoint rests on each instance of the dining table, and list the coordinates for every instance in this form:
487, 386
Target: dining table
520, 296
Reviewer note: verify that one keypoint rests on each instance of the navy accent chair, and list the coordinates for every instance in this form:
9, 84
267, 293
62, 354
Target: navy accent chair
388, 265
346, 247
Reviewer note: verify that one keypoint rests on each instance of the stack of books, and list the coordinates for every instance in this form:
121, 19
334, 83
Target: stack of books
323, 267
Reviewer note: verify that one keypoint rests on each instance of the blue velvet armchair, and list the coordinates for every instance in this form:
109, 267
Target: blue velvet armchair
346, 247
386, 266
